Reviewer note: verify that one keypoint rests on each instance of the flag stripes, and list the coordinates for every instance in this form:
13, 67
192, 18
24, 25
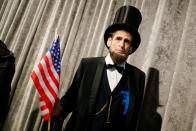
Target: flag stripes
54, 76
46, 77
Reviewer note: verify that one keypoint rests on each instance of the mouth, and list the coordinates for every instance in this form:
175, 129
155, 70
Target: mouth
120, 51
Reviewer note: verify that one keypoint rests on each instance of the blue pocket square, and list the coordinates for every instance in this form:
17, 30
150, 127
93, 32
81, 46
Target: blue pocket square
125, 101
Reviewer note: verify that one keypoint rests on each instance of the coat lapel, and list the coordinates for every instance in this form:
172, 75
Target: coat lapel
131, 85
96, 84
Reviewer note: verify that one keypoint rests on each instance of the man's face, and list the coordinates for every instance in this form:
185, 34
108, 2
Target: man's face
120, 45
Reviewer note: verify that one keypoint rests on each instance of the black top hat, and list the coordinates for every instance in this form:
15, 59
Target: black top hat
127, 18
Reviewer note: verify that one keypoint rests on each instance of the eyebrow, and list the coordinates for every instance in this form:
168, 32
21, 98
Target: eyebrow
127, 40
120, 37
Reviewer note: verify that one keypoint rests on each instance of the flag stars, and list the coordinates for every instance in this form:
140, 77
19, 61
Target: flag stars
55, 53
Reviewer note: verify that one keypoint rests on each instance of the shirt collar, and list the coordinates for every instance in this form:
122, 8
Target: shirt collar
108, 60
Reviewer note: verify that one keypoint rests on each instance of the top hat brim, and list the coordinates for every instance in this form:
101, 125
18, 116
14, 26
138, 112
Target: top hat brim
128, 28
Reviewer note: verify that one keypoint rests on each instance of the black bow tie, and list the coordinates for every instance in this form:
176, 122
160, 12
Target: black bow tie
118, 68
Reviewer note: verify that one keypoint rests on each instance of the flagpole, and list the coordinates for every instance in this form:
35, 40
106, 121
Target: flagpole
49, 124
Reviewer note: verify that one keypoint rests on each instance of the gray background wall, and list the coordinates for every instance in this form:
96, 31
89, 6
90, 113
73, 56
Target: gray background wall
167, 54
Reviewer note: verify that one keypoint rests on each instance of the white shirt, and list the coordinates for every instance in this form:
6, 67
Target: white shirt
113, 75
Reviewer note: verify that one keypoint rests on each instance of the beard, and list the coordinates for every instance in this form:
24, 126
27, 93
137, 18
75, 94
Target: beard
117, 58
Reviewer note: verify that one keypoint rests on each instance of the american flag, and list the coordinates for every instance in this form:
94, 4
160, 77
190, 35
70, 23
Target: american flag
46, 77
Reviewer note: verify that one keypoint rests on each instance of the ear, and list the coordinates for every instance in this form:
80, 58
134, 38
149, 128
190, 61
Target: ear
109, 42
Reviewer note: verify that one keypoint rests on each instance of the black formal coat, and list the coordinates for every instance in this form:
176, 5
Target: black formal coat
81, 97
7, 69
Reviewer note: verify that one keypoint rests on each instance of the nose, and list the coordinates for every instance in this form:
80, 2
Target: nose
122, 43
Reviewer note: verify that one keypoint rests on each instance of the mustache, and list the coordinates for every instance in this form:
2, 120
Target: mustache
121, 49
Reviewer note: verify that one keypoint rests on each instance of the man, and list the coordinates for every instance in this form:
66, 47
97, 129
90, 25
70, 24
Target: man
7, 69
106, 92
